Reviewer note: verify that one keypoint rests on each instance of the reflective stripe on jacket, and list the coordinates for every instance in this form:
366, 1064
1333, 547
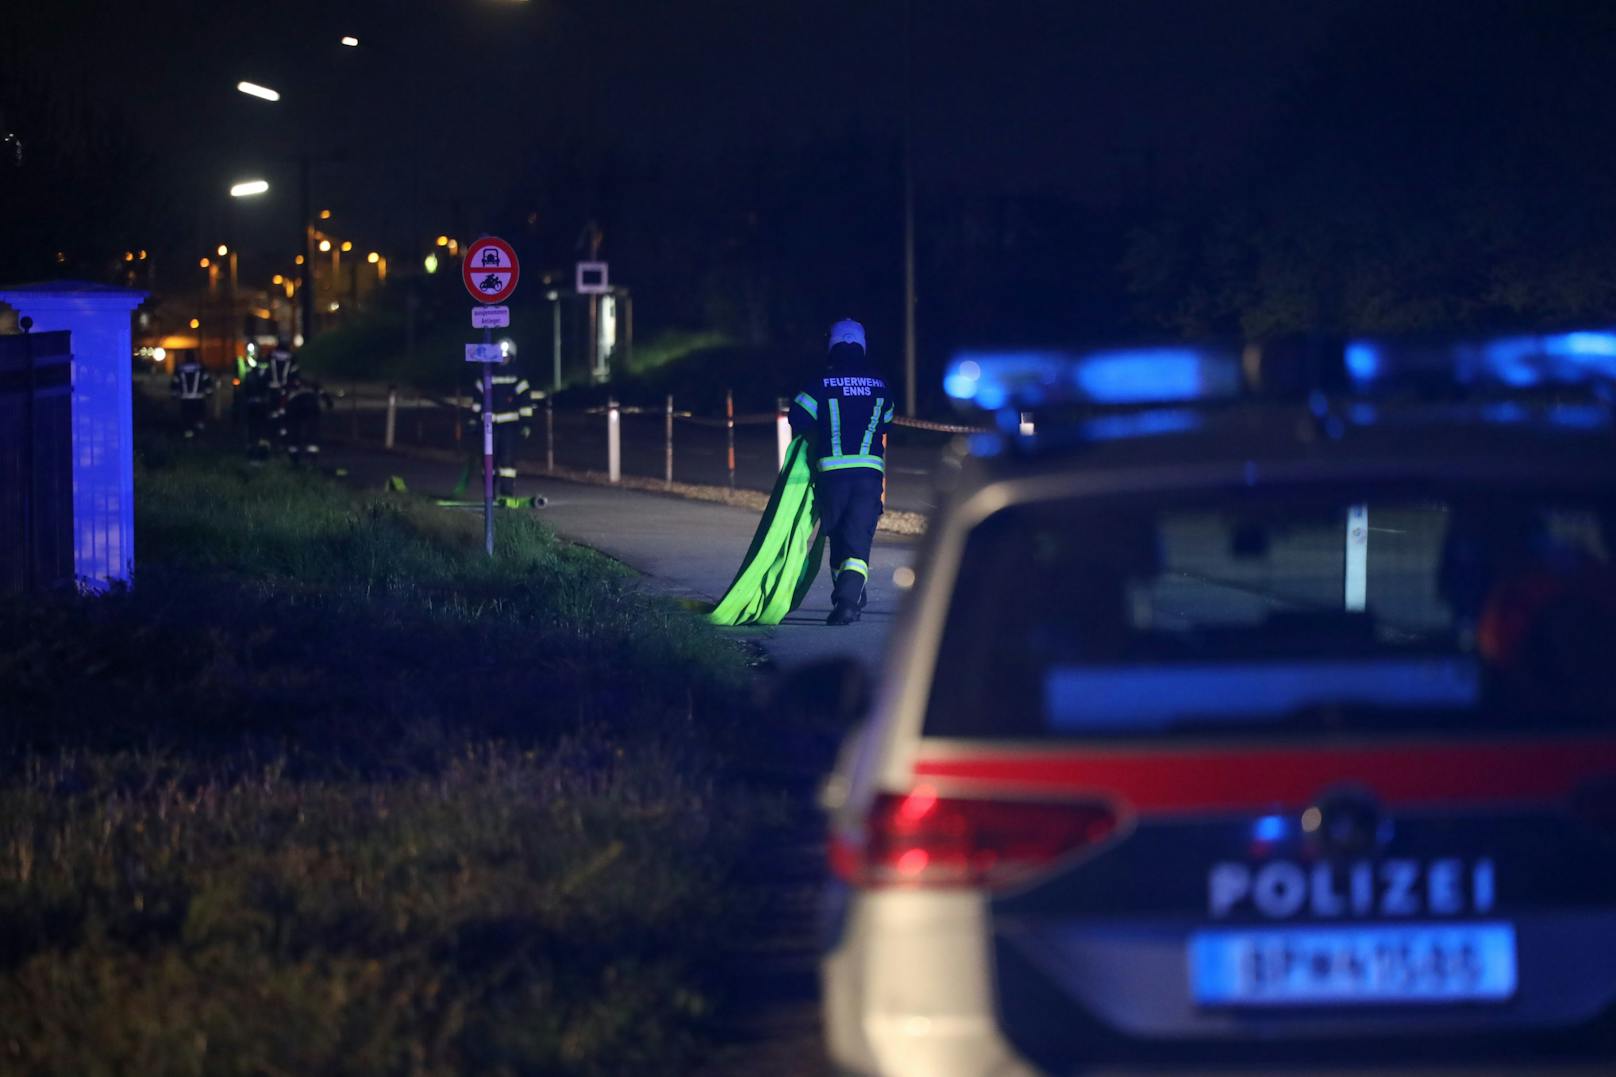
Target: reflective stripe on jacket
847, 414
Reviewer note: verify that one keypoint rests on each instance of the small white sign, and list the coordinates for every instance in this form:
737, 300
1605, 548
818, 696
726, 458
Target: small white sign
484, 353
592, 278
490, 317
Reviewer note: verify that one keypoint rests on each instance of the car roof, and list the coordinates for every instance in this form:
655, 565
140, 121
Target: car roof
1513, 441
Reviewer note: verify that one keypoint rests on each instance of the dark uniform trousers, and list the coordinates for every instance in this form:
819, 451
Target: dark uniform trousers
849, 508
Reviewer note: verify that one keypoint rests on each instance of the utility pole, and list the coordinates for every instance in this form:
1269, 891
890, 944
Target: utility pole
909, 374
592, 240
305, 245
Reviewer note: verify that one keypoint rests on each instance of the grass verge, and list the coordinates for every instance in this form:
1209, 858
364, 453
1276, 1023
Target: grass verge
330, 792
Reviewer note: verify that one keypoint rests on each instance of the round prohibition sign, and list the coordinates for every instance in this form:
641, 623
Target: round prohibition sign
490, 270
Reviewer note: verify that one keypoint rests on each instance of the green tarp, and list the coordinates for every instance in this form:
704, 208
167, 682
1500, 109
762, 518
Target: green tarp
784, 557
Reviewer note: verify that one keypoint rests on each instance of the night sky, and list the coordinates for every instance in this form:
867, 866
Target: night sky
1150, 167
1078, 98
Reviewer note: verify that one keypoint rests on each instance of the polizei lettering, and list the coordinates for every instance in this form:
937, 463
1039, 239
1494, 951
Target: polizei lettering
1392, 888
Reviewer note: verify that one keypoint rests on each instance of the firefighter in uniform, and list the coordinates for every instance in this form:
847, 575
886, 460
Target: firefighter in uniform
256, 407
302, 422
191, 386
281, 379
845, 415
512, 406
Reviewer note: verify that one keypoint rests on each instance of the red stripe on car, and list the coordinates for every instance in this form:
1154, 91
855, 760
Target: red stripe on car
1229, 779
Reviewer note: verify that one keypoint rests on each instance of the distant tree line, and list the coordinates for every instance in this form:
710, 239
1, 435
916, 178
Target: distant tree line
1431, 173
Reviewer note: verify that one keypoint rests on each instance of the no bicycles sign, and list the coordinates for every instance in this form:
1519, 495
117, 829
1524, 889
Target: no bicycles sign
490, 270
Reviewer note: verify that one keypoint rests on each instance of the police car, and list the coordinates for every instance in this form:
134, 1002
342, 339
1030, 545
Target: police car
1247, 735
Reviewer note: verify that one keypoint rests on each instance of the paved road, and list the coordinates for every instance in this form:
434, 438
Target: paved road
690, 549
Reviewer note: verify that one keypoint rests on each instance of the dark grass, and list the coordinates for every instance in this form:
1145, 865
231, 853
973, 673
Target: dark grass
330, 792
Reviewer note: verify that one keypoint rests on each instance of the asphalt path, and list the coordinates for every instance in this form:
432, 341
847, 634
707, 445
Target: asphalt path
688, 549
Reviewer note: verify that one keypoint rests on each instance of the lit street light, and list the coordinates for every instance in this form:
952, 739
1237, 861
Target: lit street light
248, 188
351, 41
252, 89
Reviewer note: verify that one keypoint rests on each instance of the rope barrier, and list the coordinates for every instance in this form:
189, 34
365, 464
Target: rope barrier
353, 396
940, 428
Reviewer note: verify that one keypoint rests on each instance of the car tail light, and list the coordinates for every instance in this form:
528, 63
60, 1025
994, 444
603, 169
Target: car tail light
920, 839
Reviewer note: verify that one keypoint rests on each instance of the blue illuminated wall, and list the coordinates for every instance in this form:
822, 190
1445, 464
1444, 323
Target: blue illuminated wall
98, 318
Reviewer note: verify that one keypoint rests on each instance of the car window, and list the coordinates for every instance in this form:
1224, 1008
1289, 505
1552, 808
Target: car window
1280, 610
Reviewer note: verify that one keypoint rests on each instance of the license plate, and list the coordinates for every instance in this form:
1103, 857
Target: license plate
1406, 963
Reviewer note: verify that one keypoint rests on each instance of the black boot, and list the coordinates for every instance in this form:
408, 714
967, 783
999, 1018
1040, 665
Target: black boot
845, 613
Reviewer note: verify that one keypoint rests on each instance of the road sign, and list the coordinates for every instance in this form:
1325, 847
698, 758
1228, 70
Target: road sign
490, 270
592, 278
490, 317
485, 353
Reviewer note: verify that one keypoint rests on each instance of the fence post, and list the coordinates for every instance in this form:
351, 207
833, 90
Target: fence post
1027, 428
782, 430
614, 448
667, 463
549, 435
392, 416
729, 431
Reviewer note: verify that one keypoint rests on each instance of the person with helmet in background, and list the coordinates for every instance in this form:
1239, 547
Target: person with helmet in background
281, 378
845, 414
512, 407
301, 423
191, 386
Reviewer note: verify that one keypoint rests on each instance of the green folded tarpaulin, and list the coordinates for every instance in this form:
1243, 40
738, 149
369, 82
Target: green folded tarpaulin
784, 557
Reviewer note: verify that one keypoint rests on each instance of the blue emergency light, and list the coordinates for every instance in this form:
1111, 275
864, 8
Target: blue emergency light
1366, 368
1131, 376
1578, 359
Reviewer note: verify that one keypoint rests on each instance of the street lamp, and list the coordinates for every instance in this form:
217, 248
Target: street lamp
350, 41
249, 188
263, 93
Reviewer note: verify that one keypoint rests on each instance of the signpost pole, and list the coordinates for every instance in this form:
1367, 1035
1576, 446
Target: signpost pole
488, 452
489, 271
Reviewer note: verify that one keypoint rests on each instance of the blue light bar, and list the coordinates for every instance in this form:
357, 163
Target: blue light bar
1517, 361
1030, 379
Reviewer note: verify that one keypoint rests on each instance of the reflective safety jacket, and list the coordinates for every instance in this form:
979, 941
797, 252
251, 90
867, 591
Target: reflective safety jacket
281, 371
846, 415
512, 400
191, 382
